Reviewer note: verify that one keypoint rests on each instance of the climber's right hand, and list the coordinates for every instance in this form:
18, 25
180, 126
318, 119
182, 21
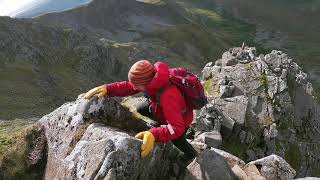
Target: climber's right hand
148, 142
100, 91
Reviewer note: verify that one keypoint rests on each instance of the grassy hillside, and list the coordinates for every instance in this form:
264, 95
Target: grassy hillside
44, 64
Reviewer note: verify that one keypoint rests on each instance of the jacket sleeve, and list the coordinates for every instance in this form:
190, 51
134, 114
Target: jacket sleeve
172, 104
121, 89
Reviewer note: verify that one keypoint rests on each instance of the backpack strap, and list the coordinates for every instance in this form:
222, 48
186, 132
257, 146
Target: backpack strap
159, 92
162, 89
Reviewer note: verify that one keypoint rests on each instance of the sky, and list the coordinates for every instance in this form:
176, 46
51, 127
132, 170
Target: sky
13, 7
33, 8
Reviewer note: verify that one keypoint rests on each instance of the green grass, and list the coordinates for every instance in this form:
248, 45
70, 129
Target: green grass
316, 87
233, 146
209, 14
293, 156
10, 130
18, 88
17, 139
179, 37
23, 91
291, 82
208, 88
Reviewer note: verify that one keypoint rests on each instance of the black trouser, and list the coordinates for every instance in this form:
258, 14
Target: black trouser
181, 143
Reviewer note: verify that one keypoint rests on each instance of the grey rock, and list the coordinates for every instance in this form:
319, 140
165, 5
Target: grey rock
209, 64
275, 167
284, 73
233, 109
91, 139
209, 165
239, 172
231, 62
231, 159
202, 124
198, 146
206, 73
226, 90
217, 124
242, 136
218, 62
308, 178
272, 132
251, 154
228, 59
222, 82
261, 66
207, 120
301, 78
249, 138
253, 172
211, 139
277, 70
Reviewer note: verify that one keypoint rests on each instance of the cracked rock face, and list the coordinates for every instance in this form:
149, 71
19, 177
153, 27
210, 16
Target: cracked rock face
92, 139
267, 105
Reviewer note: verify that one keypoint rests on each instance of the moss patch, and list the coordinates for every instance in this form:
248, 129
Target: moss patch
25, 156
207, 86
10, 131
233, 146
317, 91
264, 81
293, 156
291, 82
211, 15
286, 121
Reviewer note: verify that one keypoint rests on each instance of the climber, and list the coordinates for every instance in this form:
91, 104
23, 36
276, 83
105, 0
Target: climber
170, 110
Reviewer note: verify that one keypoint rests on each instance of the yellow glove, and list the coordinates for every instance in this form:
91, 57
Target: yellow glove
148, 142
100, 90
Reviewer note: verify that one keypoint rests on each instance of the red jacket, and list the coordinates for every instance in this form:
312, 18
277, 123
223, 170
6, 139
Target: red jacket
171, 111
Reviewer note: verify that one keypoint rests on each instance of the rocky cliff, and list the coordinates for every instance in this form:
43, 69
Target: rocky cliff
255, 112
264, 104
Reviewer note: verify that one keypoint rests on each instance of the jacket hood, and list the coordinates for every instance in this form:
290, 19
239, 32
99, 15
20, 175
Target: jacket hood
160, 79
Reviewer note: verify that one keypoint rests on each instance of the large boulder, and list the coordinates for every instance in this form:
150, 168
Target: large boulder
231, 159
92, 139
209, 165
275, 167
233, 110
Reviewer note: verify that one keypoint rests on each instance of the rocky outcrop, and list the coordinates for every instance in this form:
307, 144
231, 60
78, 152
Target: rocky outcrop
93, 139
265, 105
